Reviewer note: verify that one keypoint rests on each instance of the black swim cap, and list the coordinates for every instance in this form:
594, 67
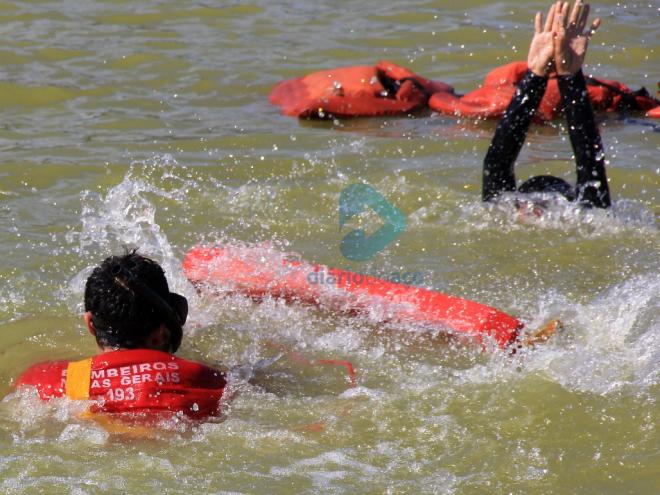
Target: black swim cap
548, 183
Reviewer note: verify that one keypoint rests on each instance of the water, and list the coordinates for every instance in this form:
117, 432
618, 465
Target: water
147, 124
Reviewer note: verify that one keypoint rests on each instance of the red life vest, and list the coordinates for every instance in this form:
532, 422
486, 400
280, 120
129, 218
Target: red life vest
141, 381
362, 91
493, 97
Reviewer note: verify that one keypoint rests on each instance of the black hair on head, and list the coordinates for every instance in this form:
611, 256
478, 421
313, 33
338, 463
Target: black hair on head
121, 316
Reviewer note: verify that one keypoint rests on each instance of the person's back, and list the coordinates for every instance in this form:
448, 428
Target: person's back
137, 323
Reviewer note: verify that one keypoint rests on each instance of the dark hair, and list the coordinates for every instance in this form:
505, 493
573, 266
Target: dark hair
128, 297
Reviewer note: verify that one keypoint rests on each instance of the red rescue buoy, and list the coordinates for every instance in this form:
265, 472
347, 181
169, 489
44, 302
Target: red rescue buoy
259, 272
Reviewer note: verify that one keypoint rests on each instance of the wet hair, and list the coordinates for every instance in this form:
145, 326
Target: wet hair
129, 298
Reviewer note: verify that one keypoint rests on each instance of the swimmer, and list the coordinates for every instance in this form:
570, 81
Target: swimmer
558, 46
137, 323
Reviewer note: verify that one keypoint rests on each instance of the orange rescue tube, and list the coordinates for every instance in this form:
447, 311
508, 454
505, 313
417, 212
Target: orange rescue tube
258, 272
361, 91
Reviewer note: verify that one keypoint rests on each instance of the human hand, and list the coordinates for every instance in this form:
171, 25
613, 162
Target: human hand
542, 51
571, 40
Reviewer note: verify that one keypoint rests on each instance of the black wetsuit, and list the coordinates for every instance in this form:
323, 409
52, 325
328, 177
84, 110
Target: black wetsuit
498, 175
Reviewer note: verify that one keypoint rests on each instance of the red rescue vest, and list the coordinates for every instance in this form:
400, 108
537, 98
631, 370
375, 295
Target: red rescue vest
493, 97
383, 89
141, 381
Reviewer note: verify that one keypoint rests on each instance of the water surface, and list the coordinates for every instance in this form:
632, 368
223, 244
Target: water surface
147, 124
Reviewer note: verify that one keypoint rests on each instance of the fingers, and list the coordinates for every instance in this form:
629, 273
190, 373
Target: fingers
565, 8
584, 17
560, 18
551, 16
559, 31
557, 42
537, 23
594, 25
575, 14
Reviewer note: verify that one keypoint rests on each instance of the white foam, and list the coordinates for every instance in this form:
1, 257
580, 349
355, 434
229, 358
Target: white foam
514, 212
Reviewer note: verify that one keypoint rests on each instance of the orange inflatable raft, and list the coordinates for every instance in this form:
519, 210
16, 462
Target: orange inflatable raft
258, 272
388, 89
499, 86
362, 91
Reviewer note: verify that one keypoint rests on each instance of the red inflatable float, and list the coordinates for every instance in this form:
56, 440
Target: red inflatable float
383, 89
388, 89
493, 97
259, 272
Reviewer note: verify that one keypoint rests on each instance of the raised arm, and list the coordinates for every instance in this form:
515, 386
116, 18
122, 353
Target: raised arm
498, 174
571, 42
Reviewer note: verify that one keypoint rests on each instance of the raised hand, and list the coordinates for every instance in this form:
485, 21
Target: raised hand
542, 51
571, 39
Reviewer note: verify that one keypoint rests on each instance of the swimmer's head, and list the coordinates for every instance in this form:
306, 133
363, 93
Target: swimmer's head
128, 305
539, 191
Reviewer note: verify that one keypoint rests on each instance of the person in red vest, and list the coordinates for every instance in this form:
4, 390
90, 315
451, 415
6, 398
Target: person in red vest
558, 46
137, 323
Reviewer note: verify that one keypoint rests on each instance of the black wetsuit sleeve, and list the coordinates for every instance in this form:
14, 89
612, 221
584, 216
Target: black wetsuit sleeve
510, 135
592, 188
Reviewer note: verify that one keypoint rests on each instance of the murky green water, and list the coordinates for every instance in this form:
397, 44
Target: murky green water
147, 124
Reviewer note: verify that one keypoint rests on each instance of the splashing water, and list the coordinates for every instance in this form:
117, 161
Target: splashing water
159, 113
608, 345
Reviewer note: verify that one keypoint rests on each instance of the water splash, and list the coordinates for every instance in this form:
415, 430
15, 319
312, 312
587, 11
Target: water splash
126, 217
589, 358
548, 211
